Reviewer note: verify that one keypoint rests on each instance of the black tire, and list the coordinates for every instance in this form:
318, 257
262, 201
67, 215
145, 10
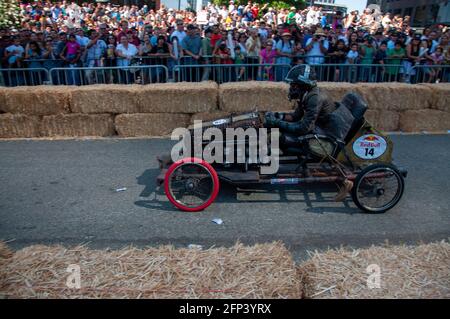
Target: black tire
374, 187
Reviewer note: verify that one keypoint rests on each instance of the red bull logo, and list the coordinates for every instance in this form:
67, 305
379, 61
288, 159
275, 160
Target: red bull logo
371, 138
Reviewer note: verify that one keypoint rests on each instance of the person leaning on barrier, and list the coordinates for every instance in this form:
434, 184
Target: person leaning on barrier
312, 114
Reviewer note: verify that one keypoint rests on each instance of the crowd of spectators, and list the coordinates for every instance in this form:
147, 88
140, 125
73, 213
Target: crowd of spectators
368, 46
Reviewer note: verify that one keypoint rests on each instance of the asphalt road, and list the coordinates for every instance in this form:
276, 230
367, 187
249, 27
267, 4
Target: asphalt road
63, 192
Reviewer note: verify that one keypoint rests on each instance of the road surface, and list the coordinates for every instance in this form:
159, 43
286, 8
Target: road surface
63, 192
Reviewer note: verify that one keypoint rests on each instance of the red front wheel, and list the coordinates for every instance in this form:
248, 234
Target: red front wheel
191, 184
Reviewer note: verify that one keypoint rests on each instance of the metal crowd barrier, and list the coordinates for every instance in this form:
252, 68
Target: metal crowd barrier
141, 74
430, 74
23, 76
354, 73
222, 73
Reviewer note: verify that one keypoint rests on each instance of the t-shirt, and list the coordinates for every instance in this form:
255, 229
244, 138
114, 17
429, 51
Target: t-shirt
13, 58
352, 56
130, 51
179, 34
315, 53
72, 48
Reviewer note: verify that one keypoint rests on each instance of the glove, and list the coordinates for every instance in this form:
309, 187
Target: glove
271, 120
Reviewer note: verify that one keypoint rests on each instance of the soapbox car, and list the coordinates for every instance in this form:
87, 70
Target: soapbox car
363, 157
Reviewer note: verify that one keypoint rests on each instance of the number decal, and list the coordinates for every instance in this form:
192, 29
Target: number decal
369, 146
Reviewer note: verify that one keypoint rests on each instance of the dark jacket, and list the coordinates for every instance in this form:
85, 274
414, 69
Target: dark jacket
312, 111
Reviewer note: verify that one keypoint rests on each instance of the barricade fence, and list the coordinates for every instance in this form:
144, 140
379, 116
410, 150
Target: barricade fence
139, 71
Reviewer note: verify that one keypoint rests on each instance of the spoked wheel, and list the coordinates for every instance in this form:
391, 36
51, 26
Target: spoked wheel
378, 188
191, 184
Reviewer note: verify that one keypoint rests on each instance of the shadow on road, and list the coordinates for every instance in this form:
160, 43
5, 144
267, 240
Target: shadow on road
317, 197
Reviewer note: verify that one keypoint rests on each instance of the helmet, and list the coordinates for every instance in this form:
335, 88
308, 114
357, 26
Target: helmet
301, 81
301, 74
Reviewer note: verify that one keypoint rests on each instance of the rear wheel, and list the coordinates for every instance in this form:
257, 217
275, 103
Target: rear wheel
378, 188
191, 184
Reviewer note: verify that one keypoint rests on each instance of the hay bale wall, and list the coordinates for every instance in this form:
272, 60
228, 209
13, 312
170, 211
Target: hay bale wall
149, 124
138, 110
259, 271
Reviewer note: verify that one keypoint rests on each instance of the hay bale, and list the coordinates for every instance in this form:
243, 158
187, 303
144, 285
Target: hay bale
149, 124
383, 120
177, 97
19, 126
336, 91
5, 252
405, 272
209, 116
104, 98
253, 95
78, 125
260, 271
38, 100
440, 96
424, 120
2, 99
395, 96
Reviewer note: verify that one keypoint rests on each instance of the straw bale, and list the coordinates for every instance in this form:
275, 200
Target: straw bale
336, 91
5, 252
78, 125
424, 120
149, 124
405, 272
441, 96
260, 271
104, 98
209, 116
383, 120
181, 97
395, 96
38, 100
19, 125
2, 99
253, 95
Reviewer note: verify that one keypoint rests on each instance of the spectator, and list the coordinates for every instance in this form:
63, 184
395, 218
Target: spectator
395, 57
437, 58
179, 32
338, 55
353, 55
14, 53
316, 47
267, 56
285, 53
239, 58
96, 49
366, 53
413, 58
253, 48
71, 56
380, 58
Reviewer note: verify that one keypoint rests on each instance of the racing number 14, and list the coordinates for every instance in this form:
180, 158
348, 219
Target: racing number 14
370, 151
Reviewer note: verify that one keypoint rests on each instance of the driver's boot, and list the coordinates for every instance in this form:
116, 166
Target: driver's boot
344, 190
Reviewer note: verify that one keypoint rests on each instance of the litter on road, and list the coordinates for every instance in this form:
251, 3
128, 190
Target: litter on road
218, 221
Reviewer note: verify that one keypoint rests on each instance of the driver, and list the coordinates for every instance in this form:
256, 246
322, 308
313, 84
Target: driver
311, 114
312, 108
